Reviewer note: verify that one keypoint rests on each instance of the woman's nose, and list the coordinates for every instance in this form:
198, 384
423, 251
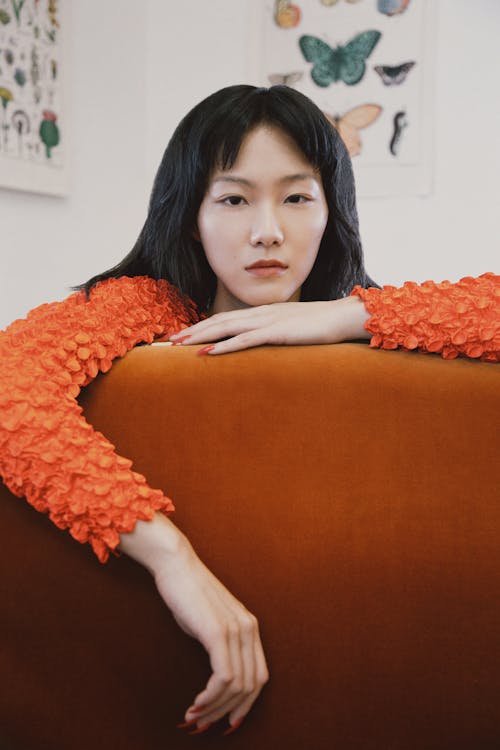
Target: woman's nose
266, 229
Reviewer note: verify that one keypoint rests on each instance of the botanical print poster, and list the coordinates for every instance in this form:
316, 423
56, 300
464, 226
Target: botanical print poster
33, 127
368, 65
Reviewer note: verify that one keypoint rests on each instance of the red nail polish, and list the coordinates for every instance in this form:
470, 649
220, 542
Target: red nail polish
233, 728
182, 338
205, 350
201, 729
196, 709
187, 724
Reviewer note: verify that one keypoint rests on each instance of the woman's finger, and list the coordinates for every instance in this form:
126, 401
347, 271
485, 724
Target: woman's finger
243, 652
222, 676
249, 339
242, 692
226, 662
231, 695
242, 315
219, 329
248, 635
272, 334
261, 677
253, 656
239, 708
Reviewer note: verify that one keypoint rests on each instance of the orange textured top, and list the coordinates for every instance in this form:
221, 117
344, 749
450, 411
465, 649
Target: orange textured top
49, 452
461, 319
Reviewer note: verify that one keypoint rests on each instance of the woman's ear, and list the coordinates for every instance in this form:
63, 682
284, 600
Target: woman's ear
196, 234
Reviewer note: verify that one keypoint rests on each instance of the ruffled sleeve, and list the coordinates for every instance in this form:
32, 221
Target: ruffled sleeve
48, 451
461, 319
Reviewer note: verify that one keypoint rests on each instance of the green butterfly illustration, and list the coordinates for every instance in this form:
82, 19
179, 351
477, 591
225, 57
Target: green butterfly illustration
343, 63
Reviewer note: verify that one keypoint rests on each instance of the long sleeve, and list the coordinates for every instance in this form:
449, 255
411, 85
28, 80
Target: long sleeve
48, 451
461, 319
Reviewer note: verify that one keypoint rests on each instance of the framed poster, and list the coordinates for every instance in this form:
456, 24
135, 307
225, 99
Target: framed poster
369, 66
33, 77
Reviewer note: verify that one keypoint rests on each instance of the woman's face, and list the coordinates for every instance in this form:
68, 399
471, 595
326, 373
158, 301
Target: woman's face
269, 206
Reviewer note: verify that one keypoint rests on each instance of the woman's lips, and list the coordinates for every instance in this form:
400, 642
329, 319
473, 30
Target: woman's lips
267, 267
267, 271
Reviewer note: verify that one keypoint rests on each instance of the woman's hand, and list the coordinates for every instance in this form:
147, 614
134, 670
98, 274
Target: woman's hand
284, 323
207, 611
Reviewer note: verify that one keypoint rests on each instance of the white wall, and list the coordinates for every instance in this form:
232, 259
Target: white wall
136, 68
453, 232
47, 243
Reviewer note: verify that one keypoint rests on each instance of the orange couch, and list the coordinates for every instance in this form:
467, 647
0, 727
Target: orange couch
348, 497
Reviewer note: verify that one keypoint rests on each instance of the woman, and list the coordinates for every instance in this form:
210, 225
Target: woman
251, 238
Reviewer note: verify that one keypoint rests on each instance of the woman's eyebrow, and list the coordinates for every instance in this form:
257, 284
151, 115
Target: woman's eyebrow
299, 176
239, 180
287, 178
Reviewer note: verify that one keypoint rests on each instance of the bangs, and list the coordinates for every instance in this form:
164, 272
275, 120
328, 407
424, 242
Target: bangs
279, 107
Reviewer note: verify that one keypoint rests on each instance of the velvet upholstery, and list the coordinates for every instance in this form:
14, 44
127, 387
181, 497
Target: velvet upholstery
348, 497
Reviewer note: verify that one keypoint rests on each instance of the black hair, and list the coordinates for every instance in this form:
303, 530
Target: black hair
210, 136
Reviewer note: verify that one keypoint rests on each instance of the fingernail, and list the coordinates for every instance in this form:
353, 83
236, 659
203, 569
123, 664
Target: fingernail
205, 350
187, 724
233, 728
196, 709
182, 338
201, 729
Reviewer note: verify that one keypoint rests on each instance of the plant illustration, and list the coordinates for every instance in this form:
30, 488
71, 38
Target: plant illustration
35, 66
52, 11
21, 124
6, 97
49, 132
17, 6
20, 77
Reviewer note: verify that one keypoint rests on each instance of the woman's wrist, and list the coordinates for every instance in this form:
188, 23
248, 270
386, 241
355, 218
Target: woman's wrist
350, 316
154, 543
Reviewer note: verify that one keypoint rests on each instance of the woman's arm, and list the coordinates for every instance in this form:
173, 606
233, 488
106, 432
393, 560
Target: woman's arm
453, 319
450, 319
48, 452
204, 608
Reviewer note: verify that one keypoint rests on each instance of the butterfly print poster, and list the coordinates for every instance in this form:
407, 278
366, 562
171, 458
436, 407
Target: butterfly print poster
368, 65
33, 126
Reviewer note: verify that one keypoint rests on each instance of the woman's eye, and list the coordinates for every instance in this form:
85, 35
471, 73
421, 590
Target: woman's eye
233, 200
297, 198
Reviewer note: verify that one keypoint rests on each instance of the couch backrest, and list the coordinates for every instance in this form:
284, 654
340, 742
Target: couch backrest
348, 497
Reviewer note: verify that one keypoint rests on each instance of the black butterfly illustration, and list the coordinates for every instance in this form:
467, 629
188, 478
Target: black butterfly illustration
394, 75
